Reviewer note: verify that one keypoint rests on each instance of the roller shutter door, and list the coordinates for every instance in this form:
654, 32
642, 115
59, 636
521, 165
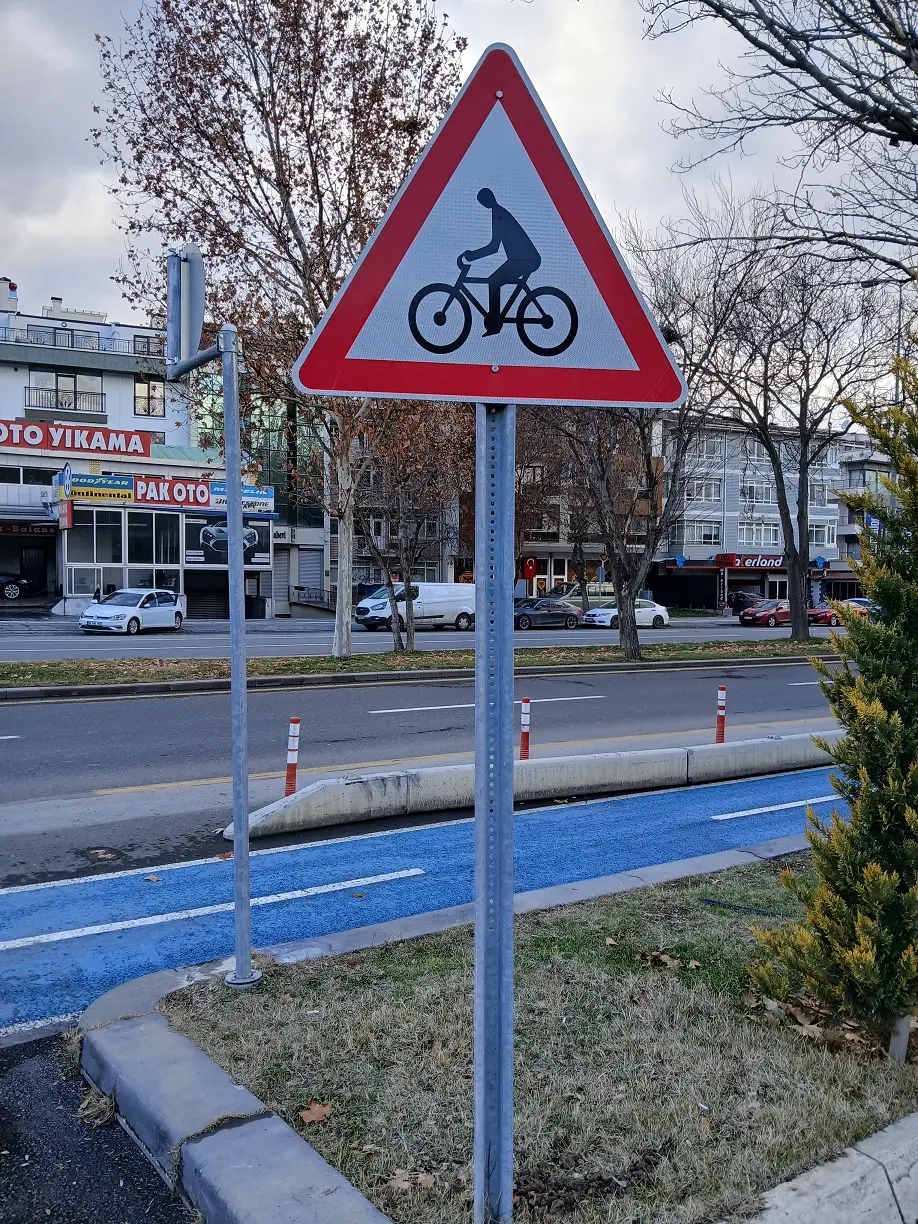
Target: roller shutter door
281, 572
312, 567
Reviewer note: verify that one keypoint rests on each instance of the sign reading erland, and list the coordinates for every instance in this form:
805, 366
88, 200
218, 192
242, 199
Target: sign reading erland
492, 276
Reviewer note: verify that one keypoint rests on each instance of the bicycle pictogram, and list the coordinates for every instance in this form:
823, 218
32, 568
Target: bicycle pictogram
440, 315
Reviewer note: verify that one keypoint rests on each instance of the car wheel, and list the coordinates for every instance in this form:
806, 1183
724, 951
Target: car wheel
12, 590
658, 622
523, 623
771, 622
463, 622
570, 622
133, 625
613, 623
178, 620
833, 620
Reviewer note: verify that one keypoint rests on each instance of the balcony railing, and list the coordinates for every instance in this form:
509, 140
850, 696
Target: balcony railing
65, 401
85, 341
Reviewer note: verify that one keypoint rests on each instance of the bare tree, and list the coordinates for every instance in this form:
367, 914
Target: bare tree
843, 74
800, 339
422, 458
274, 133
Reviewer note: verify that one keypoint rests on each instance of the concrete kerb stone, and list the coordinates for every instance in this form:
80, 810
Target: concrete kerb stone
152, 688
215, 1142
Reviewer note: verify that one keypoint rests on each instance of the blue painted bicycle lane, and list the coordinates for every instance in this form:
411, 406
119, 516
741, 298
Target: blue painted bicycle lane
58, 950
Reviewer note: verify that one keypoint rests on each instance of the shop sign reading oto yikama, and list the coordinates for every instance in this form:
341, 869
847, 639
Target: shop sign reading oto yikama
38, 436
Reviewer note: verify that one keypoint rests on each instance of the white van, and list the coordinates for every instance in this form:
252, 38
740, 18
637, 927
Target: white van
437, 604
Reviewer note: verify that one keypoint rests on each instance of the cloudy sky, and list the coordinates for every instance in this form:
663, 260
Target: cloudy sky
595, 72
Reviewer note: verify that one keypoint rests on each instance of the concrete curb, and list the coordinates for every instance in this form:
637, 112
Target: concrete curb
154, 688
214, 1142
409, 792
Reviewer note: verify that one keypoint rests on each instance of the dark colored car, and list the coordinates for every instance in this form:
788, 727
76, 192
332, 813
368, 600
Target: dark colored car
745, 599
772, 612
546, 614
12, 586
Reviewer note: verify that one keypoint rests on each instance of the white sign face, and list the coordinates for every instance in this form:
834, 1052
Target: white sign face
497, 161
492, 276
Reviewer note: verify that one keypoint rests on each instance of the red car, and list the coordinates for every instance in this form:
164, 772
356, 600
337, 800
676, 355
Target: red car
823, 615
772, 612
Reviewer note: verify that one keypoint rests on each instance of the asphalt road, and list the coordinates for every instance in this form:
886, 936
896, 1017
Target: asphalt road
27, 647
88, 785
64, 943
56, 1168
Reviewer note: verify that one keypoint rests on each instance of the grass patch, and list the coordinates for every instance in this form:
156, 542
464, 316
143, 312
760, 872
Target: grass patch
645, 1093
114, 671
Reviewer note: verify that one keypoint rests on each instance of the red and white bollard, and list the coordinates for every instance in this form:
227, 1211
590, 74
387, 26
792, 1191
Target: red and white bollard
524, 730
721, 725
293, 753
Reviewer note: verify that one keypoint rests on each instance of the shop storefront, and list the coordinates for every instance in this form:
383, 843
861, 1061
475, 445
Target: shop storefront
139, 531
714, 583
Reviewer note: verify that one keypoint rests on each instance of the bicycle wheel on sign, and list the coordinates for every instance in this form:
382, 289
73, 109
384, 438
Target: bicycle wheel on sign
439, 318
547, 321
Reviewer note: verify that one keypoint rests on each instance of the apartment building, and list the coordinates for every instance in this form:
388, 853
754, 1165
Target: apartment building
728, 537
102, 483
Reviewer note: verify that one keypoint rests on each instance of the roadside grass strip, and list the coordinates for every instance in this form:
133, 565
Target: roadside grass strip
647, 1089
136, 670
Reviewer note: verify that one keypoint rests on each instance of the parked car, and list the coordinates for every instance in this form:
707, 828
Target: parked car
12, 586
824, 614
861, 605
546, 614
132, 609
646, 612
772, 612
435, 604
746, 599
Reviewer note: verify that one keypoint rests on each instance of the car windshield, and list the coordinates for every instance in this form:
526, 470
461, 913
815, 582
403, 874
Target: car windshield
529, 603
122, 599
770, 603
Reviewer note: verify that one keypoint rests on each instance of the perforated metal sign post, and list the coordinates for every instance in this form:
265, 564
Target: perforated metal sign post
494, 574
493, 280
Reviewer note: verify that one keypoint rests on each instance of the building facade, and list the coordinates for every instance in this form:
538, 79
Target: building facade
728, 537
102, 483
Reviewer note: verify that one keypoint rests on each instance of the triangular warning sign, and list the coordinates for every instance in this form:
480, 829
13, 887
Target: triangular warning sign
492, 276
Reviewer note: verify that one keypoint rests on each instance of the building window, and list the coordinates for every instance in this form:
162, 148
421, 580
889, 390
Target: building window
80, 547
148, 346
758, 492
166, 539
822, 534
703, 491
756, 451
157, 438
819, 495
109, 529
65, 391
9, 475
697, 531
707, 446
149, 396
758, 535
38, 476
140, 537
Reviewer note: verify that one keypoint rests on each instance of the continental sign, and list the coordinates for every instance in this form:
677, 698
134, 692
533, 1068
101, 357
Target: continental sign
38, 436
102, 488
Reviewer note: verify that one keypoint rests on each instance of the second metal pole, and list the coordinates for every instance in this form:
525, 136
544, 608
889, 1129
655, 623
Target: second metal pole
494, 577
242, 974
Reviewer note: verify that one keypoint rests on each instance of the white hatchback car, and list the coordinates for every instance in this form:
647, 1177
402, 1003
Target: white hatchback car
646, 613
133, 609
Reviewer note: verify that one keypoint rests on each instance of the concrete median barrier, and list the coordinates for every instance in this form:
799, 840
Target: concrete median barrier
747, 758
412, 792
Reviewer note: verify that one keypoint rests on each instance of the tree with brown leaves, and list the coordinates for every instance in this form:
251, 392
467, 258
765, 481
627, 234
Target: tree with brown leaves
274, 133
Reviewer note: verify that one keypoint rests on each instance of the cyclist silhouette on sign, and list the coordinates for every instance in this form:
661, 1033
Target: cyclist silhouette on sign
440, 315
521, 256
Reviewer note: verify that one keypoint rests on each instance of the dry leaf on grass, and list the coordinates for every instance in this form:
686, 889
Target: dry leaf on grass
704, 1127
611, 943
664, 959
400, 1180
315, 1111
693, 964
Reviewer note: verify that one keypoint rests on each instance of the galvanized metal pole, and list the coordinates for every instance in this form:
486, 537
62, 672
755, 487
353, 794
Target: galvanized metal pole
494, 575
242, 974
